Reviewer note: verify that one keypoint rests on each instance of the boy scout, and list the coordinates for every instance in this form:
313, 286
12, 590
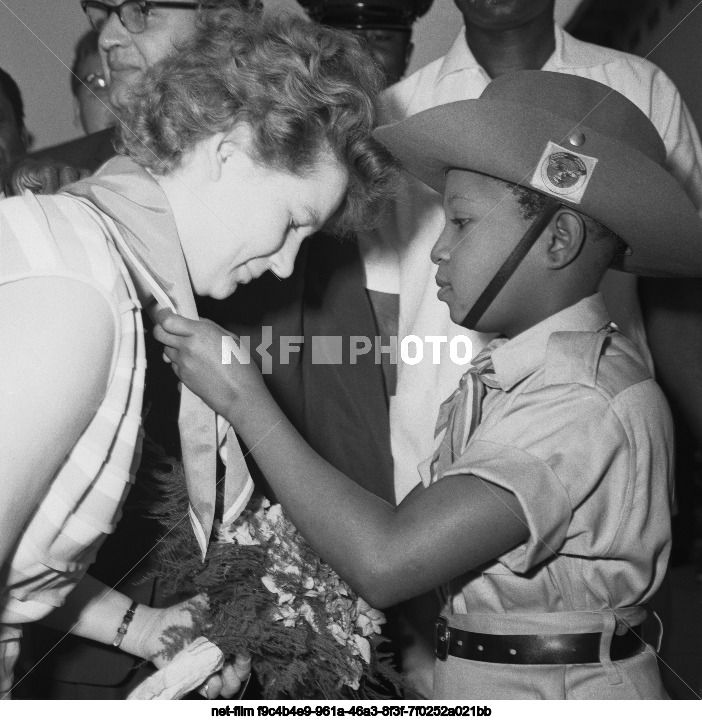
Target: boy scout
544, 513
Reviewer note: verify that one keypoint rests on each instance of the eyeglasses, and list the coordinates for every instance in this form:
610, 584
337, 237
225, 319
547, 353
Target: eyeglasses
132, 13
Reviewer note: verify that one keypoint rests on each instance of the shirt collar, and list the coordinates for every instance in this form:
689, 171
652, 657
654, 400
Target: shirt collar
572, 53
459, 57
524, 354
569, 53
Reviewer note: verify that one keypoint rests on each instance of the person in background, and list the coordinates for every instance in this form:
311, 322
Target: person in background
14, 137
386, 25
89, 87
500, 37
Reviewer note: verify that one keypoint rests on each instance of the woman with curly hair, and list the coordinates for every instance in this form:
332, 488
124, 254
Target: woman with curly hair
234, 151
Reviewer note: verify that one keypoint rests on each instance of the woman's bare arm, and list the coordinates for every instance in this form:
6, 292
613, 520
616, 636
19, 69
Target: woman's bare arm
56, 343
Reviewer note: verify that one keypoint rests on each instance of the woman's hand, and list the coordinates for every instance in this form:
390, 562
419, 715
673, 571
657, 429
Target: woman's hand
201, 354
148, 631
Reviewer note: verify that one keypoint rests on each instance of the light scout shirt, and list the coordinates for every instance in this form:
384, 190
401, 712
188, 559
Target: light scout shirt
582, 435
397, 256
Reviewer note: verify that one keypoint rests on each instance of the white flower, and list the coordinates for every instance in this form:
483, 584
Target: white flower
369, 619
242, 535
288, 615
363, 646
308, 614
340, 636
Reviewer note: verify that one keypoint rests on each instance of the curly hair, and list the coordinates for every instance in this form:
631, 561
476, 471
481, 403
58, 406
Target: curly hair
302, 89
531, 203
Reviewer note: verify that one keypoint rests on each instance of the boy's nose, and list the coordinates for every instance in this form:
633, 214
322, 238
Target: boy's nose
441, 250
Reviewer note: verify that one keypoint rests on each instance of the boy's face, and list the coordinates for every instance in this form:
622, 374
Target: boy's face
483, 225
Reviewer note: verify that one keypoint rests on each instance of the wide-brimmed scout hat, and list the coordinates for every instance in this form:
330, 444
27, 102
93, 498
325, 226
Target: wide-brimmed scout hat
571, 138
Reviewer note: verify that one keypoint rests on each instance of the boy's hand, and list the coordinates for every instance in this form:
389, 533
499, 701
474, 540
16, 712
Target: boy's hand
194, 348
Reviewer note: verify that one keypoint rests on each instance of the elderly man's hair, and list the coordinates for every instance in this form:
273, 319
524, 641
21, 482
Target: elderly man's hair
11, 91
302, 89
531, 203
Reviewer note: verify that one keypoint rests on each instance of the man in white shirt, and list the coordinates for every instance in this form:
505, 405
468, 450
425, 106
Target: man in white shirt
501, 36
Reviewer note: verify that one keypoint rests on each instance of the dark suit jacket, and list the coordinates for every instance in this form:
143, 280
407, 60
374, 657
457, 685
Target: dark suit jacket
340, 409
88, 152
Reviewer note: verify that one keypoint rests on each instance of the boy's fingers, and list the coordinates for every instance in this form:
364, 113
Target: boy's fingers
174, 323
170, 355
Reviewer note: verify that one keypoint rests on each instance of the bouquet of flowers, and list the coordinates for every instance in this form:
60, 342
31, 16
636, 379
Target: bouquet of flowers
309, 634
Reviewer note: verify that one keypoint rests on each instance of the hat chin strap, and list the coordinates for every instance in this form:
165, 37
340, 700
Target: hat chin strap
512, 263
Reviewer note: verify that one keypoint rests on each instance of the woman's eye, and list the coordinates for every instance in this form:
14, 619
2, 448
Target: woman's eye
460, 222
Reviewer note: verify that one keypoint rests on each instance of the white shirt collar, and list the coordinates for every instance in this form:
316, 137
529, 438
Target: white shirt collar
569, 53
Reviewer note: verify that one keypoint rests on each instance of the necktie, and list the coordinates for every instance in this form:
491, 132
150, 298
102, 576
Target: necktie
459, 414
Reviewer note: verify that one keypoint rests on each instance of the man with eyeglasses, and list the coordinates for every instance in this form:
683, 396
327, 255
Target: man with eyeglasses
133, 35
136, 34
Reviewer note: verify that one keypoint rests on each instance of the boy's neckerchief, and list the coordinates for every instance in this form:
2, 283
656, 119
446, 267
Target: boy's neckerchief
136, 214
507, 269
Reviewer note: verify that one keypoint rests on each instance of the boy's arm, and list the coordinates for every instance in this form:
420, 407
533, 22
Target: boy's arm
387, 554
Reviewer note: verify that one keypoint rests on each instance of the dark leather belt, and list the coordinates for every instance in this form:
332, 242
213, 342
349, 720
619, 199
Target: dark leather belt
563, 648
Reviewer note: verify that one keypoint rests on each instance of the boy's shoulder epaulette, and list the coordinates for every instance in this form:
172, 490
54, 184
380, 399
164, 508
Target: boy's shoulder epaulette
602, 359
573, 357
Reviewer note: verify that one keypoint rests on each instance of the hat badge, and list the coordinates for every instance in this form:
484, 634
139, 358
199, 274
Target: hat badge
563, 172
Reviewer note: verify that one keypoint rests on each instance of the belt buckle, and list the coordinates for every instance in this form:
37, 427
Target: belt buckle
442, 638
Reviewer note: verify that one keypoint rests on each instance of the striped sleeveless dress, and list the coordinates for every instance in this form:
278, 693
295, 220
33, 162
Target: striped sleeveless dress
60, 236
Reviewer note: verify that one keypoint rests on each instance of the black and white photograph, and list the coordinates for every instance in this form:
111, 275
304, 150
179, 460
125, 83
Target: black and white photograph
350, 357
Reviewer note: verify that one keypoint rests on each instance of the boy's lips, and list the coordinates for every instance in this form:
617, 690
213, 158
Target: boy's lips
444, 287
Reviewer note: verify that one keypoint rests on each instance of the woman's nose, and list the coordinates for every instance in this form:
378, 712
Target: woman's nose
282, 263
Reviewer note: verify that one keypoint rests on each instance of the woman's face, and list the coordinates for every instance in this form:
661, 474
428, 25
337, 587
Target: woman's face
258, 217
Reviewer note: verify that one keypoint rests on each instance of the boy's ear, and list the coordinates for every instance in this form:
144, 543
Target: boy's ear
565, 237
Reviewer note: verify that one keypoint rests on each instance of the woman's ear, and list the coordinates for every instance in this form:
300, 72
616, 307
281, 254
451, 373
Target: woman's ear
565, 237
216, 155
229, 148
